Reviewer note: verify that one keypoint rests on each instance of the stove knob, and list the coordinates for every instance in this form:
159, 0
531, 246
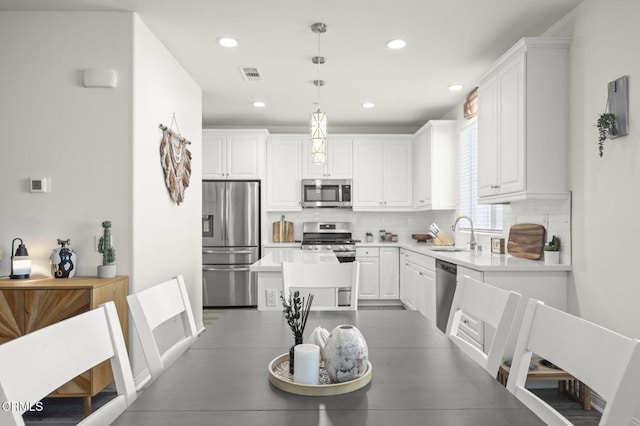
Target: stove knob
316, 248
342, 248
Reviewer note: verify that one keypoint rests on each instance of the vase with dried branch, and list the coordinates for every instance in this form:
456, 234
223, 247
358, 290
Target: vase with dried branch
296, 311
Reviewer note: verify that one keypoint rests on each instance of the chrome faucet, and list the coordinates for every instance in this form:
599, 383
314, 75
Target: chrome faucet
472, 238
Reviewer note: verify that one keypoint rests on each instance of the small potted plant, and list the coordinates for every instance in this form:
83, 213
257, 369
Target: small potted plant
108, 268
606, 125
552, 251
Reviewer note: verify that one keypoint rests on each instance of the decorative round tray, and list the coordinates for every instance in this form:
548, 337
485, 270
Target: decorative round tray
279, 376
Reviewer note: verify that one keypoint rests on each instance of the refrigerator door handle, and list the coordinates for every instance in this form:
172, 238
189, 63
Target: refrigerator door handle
226, 251
226, 269
226, 214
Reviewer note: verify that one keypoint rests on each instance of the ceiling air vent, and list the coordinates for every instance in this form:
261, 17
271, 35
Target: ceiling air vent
251, 74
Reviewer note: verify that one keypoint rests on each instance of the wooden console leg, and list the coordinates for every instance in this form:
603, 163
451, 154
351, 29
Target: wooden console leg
87, 405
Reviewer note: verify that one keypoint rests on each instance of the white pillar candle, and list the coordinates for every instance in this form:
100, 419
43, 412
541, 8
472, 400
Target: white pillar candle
306, 368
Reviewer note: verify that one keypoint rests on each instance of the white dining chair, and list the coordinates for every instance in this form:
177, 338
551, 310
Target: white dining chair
607, 362
327, 279
492, 305
154, 306
37, 363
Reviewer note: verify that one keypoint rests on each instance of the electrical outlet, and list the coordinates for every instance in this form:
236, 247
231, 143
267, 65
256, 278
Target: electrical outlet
272, 296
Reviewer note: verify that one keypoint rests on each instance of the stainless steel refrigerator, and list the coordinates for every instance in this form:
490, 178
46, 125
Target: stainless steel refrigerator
230, 242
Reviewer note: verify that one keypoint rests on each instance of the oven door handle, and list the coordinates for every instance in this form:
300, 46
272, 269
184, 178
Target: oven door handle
226, 269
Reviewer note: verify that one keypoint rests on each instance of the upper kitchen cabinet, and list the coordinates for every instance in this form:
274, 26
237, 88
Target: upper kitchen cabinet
284, 171
382, 177
228, 154
435, 166
338, 164
523, 109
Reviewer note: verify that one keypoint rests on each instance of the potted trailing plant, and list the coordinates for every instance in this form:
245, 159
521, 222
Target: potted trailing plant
606, 125
108, 268
552, 251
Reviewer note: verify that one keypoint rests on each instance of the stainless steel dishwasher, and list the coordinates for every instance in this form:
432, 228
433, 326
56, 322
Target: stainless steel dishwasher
445, 289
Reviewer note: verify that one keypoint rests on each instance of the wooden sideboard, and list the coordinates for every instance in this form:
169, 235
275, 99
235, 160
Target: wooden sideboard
30, 304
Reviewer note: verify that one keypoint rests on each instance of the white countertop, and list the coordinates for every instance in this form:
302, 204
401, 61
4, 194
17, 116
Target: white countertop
273, 262
485, 261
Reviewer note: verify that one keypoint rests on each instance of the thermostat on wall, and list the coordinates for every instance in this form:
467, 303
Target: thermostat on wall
40, 185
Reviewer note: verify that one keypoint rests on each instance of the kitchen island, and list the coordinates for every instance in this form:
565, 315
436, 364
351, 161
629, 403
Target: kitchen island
269, 273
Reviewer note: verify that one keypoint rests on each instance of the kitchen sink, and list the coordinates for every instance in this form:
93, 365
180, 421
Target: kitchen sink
446, 248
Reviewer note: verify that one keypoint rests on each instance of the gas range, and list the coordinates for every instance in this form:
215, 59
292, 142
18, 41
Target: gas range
334, 236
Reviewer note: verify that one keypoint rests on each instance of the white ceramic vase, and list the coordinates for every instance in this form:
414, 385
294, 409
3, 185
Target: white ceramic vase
63, 262
319, 336
106, 271
346, 354
551, 257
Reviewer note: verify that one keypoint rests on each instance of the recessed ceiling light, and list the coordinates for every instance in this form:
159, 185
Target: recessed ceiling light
455, 87
227, 42
258, 104
396, 44
368, 105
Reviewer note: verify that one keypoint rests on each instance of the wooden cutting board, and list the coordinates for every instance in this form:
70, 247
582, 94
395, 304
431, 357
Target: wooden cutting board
526, 240
283, 232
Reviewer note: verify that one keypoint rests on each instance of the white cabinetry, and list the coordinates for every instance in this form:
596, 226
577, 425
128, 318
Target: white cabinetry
284, 170
369, 259
379, 273
418, 283
389, 273
228, 154
523, 123
548, 286
435, 166
338, 164
382, 175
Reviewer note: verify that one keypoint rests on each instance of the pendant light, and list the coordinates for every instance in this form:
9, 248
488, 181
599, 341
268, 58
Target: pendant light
318, 125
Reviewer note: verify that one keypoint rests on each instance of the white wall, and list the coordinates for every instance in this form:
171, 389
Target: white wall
167, 238
606, 200
99, 146
52, 126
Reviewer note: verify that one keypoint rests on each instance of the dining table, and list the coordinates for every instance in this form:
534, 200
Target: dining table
419, 377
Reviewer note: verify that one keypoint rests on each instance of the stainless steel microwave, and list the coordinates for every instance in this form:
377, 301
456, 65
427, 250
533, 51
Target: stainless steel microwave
326, 193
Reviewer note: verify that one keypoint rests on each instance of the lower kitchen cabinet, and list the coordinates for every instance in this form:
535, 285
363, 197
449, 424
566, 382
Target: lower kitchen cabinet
389, 273
369, 286
548, 286
379, 273
418, 283
31, 304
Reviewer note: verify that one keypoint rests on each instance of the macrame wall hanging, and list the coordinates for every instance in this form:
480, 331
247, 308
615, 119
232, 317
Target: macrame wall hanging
176, 161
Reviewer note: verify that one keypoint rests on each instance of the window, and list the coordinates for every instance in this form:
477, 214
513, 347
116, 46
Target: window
485, 217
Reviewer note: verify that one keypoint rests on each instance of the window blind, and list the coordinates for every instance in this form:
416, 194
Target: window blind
485, 217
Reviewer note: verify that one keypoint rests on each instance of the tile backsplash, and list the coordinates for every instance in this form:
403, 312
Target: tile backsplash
554, 215
401, 223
